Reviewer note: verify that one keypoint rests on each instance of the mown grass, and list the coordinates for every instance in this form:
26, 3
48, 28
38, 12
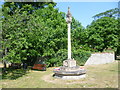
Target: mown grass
98, 76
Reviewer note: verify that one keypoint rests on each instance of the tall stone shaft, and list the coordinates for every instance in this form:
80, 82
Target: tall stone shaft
69, 20
69, 42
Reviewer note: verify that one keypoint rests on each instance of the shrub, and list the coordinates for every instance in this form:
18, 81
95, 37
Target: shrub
57, 59
79, 55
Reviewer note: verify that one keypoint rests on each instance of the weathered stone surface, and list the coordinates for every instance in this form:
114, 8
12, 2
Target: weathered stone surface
70, 77
70, 73
69, 63
69, 70
100, 58
63, 68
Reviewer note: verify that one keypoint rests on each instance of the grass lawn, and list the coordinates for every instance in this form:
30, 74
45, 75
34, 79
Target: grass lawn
98, 76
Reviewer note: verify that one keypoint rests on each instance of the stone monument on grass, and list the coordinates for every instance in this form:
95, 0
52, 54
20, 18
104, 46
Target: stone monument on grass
69, 70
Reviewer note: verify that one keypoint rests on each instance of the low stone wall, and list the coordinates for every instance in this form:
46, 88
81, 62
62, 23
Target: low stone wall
100, 58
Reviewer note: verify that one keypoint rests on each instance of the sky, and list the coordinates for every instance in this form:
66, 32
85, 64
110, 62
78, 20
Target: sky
84, 11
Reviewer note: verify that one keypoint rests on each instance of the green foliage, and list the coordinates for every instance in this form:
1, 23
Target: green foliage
49, 30
109, 13
81, 56
13, 74
103, 34
58, 58
39, 30
40, 34
14, 36
107, 24
78, 34
0, 31
118, 47
9, 8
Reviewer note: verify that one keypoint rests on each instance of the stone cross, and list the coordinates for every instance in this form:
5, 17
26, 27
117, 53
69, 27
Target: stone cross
69, 20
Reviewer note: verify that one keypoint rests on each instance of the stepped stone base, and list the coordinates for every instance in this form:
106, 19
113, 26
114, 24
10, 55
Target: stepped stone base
70, 77
69, 70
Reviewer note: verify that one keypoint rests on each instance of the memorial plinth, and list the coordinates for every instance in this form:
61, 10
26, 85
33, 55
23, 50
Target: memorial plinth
69, 70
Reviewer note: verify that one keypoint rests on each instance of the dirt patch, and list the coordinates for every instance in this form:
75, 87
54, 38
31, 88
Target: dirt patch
49, 78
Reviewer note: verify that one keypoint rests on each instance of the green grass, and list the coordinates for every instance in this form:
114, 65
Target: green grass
98, 76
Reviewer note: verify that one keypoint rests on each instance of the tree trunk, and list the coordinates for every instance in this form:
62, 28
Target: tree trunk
5, 66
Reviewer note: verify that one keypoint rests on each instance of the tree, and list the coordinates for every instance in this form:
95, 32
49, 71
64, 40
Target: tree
104, 31
10, 7
40, 34
79, 34
109, 13
13, 40
103, 34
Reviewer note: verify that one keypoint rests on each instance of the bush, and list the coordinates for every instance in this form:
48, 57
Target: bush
57, 59
79, 55
13, 74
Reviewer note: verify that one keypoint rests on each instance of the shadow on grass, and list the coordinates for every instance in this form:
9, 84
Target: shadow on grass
13, 74
37, 70
0, 73
0, 77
